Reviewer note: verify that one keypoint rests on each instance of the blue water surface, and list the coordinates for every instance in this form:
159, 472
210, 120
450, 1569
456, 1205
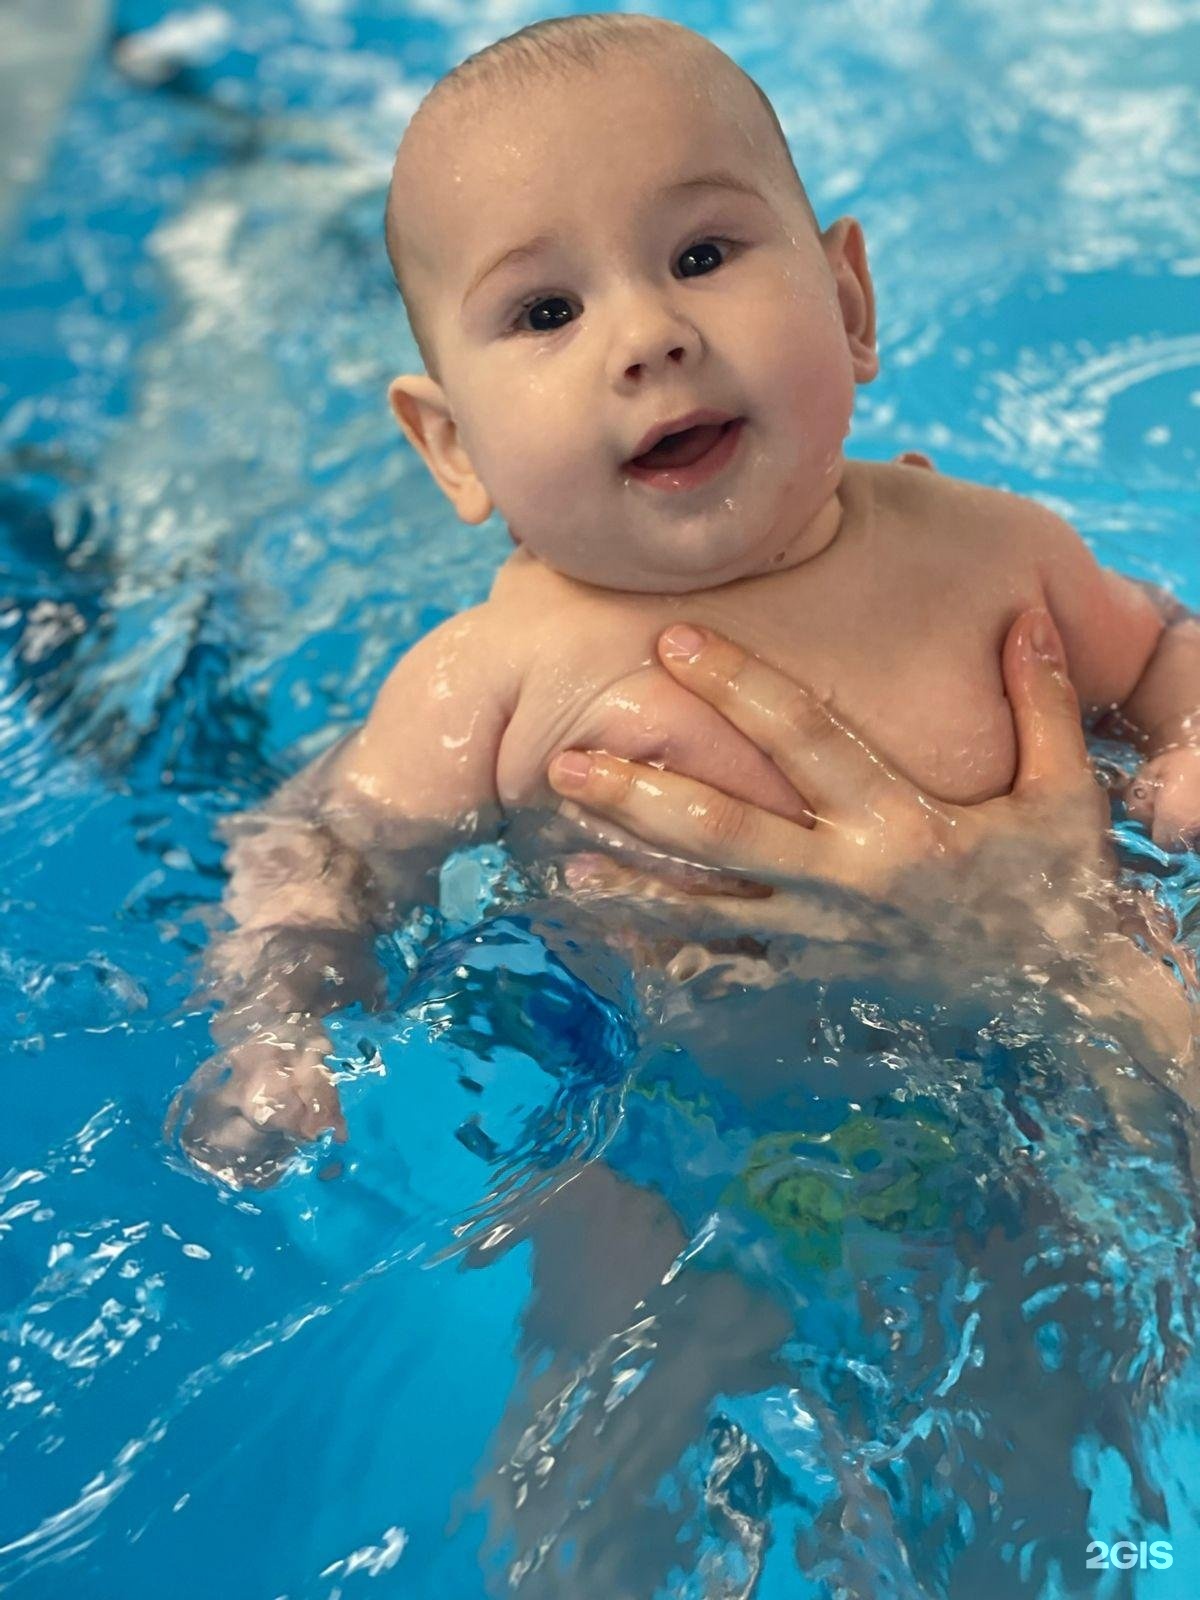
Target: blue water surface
840, 1291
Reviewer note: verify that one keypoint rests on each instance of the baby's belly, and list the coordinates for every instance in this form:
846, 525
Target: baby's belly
958, 748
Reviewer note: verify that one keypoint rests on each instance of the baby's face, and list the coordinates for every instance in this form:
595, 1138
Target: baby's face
665, 266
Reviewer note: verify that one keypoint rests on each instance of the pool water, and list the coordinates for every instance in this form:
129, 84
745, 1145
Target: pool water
836, 1289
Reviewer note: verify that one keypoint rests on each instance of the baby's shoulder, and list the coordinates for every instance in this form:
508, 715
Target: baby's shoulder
549, 615
470, 658
524, 586
975, 520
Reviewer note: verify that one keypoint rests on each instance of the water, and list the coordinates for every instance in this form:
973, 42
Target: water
873, 1368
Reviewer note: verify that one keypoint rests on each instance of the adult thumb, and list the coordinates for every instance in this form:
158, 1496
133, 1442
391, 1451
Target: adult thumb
1051, 752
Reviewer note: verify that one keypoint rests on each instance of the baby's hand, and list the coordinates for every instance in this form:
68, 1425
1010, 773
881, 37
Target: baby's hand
250, 1107
1165, 796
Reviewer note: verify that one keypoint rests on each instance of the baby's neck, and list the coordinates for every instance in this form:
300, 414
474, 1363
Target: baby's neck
848, 510
813, 538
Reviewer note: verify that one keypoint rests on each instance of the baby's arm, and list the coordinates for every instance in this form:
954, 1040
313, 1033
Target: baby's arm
1165, 708
343, 851
1132, 649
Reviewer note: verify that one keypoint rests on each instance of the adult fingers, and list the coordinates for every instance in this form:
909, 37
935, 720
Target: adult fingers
824, 760
1052, 755
680, 815
610, 878
590, 870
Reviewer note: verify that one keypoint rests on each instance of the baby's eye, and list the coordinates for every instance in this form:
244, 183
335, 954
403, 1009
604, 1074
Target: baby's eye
534, 309
704, 250
548, 313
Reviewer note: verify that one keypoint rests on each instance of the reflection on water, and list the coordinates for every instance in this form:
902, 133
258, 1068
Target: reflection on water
841, 1286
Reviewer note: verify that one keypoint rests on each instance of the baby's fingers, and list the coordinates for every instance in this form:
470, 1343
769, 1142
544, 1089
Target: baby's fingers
244, 1123
219, 1138
1139, 797
316, 1105
1175, 819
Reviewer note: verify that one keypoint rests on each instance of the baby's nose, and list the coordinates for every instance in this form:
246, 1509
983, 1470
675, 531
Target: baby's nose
654, 338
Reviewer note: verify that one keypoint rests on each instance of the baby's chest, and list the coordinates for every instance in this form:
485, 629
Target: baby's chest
923, 690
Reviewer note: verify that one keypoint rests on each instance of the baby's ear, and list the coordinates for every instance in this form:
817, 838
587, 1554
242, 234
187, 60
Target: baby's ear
420, 406
846, 251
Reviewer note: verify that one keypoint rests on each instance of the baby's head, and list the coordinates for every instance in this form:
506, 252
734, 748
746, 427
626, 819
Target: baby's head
597, 229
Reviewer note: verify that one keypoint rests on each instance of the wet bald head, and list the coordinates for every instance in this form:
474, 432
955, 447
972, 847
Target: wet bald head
426, 170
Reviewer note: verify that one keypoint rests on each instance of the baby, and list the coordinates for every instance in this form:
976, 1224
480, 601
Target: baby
640, 348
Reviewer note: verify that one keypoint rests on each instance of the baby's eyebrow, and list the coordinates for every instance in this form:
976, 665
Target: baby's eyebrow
542, 241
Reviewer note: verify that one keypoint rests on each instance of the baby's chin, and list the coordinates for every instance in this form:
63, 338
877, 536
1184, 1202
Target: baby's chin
680, 578
680, 564
685, 568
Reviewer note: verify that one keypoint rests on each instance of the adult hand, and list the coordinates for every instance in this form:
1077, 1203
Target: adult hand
1032, 867
870, 825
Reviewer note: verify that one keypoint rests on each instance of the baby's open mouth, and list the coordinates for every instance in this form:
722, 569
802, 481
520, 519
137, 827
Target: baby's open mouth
682, 449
